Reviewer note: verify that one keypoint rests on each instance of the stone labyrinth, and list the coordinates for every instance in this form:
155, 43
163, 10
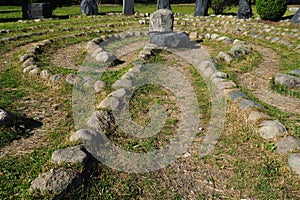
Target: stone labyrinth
80, 56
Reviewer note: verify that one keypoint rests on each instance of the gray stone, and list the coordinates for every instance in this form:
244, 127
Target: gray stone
161, 21
207, 36
28, 62
207, 65
226, 57
293, 9
55, 78
45, 74
6, 118
295, 72
226, 85
217, 80
236, 95
29, 68
69, 155
145, 54
56, 181
24, 57
219, 75
95, 51
270, 129
287, 80
89, 7
193, 35
296, 18
34, 72
245, 104
255, 116
201, 7
238, 50
214, 36
294, 162
122, 83
142, 21
101, 121
171, 40
163, 4
227, 41
287, 144
106, 57
83, 134
109, 103
37, 10
99, 85
128, 7
72, 79
245, 10
120, 93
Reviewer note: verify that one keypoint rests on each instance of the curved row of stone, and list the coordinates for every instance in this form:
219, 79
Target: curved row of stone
86, 28
58, 180
64, 24
232, 25
31, 68
268, 129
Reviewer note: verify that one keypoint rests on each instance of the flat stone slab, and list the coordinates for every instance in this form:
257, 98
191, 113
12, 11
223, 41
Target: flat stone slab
171, 40
56, 181
294, 162
287, 144
236, 95
83, 134
245, 104
69, 155
270, 129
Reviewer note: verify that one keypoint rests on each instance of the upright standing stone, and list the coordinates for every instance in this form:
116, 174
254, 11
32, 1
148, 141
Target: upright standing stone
25, 9
161, 21
163, 4
89, 7
161, 30
201, 7
128, 7
296, 18
245, 10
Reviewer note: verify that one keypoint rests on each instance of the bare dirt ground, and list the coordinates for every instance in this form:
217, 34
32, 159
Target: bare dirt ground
258, 82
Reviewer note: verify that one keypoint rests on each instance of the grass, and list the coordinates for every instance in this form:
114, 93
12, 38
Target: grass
242, 166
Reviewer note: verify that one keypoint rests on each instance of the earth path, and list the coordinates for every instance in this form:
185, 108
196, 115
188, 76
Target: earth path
258, 82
